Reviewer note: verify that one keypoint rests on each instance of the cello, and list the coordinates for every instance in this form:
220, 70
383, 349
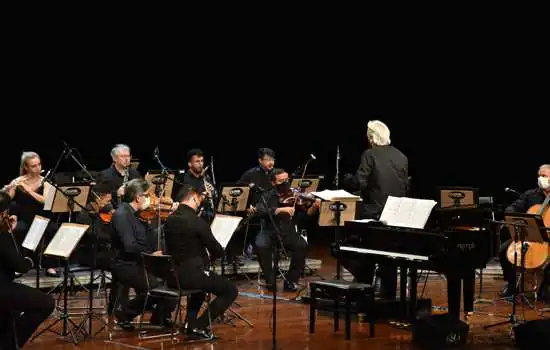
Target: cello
538, 254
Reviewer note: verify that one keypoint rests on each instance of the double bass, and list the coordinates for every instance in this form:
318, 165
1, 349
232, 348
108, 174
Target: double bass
538, 254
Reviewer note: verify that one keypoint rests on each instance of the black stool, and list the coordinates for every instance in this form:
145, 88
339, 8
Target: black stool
337, 296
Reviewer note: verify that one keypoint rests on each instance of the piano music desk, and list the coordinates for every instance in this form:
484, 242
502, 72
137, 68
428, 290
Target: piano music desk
343, 293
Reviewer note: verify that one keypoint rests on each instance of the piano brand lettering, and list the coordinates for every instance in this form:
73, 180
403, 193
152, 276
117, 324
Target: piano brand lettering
466, 247
235, 192
453, 338
337, 207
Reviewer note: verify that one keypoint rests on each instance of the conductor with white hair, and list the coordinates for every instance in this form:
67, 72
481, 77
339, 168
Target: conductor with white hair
382, 172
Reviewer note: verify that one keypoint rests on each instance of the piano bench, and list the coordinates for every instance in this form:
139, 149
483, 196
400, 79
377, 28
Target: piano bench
341, 294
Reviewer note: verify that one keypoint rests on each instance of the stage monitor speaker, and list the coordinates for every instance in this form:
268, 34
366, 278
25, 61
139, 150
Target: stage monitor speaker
533, 334
439, 332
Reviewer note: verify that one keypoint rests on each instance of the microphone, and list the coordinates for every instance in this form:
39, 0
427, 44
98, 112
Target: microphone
511, 190
312, 156
255, 187
156, 152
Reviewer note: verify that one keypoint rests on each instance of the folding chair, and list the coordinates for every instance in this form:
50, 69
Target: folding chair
163, 266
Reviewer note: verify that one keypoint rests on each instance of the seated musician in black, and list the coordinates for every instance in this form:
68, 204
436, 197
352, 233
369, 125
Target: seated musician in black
28, 306
119, 173
27, 192
193, 246
383, 172
131, 238
283, 217
528, 199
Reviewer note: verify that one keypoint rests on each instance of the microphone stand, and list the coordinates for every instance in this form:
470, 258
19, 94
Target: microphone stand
164, 177
338, 207
275, 249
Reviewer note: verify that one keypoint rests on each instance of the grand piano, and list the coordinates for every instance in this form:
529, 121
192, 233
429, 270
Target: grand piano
453, 242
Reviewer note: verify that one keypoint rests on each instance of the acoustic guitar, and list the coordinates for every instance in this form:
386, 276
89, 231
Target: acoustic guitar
538, 254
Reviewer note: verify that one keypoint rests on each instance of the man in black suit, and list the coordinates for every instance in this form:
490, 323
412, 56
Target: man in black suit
193, 246
131, 238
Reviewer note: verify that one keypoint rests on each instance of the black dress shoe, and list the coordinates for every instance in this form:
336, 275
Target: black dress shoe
198, 334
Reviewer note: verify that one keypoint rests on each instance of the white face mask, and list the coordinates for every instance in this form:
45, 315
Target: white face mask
544, 182
146, 203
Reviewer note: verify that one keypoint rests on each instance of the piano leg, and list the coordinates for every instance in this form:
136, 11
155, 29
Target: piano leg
412, 294
453, 295
468, 289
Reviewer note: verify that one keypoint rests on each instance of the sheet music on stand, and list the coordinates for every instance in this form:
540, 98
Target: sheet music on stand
35, 233
407, 212
223, 227
56, 201
65, 240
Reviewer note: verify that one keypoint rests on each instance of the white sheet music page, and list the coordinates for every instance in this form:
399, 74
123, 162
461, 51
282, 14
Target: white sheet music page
223, 227
335, 195
407, 212
49, 195
65, 240
35, 233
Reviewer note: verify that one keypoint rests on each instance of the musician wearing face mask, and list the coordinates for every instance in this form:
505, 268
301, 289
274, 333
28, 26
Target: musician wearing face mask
284, 215
27, 192
193, 246
131, 237
119, 173
521, 205
28, 306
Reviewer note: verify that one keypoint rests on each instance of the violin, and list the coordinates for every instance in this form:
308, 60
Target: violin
293, 197
159, 205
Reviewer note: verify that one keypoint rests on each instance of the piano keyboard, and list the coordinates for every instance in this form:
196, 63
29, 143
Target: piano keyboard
384, 253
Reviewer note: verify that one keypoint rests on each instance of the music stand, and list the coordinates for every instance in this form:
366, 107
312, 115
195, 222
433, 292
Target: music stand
59, 199
223, 227
524, 228
161, 177
308, 184
233, 199
34, 238
337, 207
458, 197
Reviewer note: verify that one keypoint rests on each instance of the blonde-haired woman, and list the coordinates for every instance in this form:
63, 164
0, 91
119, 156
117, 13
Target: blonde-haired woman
27, 193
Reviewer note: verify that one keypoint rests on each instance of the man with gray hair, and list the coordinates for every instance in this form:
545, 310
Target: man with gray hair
525, 201
382, 172
119, 173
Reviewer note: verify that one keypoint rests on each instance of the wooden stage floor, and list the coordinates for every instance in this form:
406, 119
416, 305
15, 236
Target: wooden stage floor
292, 323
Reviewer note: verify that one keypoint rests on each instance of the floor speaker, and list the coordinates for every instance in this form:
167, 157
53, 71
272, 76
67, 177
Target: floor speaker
533, 334
439, 332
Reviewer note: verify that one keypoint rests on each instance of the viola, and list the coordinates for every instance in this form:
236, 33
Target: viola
162, 205
295, 198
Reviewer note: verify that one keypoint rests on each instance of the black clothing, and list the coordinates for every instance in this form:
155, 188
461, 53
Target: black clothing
111, 180
26, 207
290, 238
16, 298
258, 176
190, 179
521, 205
131, 237
188, 238
383, 172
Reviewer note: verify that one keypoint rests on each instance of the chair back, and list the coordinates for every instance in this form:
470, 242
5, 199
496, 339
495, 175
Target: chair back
160, 266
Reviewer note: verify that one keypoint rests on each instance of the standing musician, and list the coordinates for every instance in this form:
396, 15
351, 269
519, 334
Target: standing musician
522, 205
260, 175
281, 206
132, 237
27, 306
27, 192
193, 246
197, 178
119, 173
383, 172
